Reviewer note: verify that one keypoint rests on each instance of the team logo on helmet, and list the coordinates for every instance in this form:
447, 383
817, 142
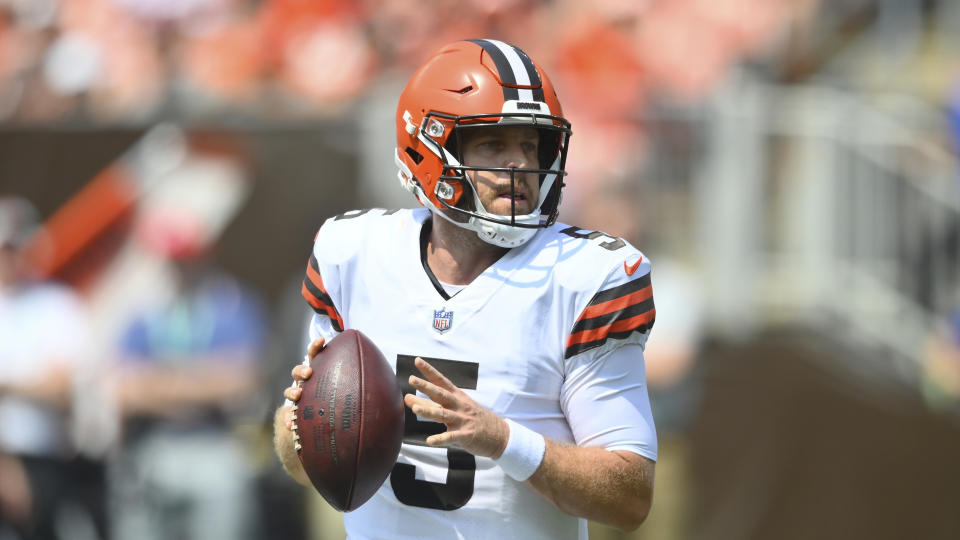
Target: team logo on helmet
442, 320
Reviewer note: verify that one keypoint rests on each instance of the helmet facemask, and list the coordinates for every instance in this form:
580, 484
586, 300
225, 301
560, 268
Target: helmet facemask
467, 210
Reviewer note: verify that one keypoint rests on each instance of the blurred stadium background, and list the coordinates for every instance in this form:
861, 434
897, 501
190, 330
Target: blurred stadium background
790, 166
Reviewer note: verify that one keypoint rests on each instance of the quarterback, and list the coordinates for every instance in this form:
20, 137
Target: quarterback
518, 340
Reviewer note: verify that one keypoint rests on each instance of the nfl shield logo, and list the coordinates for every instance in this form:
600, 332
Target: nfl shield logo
442, 320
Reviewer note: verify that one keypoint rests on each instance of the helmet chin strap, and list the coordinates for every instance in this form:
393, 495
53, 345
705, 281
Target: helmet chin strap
503, 235
497, 234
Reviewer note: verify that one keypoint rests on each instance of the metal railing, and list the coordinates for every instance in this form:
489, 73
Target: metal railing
826, 208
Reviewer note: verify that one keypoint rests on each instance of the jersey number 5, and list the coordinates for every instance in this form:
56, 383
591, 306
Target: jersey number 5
461, 466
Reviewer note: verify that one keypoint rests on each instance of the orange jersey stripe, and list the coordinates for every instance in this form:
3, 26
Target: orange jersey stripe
315, 278
311, 299
318, 306
618, 326
617, 303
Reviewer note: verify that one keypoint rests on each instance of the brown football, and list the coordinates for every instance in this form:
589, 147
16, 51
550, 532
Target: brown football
349, 421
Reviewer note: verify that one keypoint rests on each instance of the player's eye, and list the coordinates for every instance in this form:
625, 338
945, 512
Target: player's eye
491, 145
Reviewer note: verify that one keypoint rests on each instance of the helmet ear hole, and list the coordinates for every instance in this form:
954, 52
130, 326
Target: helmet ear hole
417, 157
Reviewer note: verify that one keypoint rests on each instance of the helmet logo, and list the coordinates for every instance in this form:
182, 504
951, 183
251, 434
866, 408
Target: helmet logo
444, 190
535, 107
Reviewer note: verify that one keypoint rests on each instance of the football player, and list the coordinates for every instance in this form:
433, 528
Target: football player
518, 340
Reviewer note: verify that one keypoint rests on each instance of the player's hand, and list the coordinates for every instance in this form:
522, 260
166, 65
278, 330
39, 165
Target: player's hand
300, 373
470, 426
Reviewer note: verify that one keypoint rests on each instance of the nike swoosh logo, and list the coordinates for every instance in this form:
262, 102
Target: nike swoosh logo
633, 267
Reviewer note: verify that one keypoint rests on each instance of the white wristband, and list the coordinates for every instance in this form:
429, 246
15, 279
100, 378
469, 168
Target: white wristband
523, 454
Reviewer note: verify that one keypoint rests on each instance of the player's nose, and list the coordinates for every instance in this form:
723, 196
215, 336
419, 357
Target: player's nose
515, 157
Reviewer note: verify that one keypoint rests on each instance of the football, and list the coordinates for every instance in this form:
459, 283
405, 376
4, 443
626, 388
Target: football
349, 421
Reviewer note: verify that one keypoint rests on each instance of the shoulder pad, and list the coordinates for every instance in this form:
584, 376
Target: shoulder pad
611, 280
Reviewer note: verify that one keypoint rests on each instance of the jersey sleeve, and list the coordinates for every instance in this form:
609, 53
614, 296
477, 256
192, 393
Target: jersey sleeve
321, 288
315, 292
604, 394
606, 403
322, 283
331, 267
622, 310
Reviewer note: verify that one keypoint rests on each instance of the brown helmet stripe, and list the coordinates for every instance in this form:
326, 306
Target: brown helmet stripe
515, 69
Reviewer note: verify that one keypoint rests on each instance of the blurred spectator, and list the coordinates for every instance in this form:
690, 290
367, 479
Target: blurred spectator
953, 113
218, 79
46, 491
110, 60
598, 69
317, 50
186, 374
284, 502
940, 381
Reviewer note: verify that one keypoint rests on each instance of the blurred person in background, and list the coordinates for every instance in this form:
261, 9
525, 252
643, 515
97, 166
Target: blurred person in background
46, 490
187, 370
940, 381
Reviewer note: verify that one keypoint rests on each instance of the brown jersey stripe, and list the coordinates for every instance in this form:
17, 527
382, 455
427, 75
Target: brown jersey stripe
613, 316
313, 277
311, 299
313, 264
625, 289
320, 307
575, 349
316, 294
617, 326
610, 306
613, 313
316, 282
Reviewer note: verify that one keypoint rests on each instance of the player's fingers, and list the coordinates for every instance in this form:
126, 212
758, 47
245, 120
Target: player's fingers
433, 375
431, 411
437, 414
441, 439
301, 372
433, 391
315, 347
451, 437
423, 407
293, 393
410, 400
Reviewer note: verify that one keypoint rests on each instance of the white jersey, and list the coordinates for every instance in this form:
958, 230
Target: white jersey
527, 339
42, 327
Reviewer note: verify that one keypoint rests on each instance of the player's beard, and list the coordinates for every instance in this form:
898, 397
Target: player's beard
466, 239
